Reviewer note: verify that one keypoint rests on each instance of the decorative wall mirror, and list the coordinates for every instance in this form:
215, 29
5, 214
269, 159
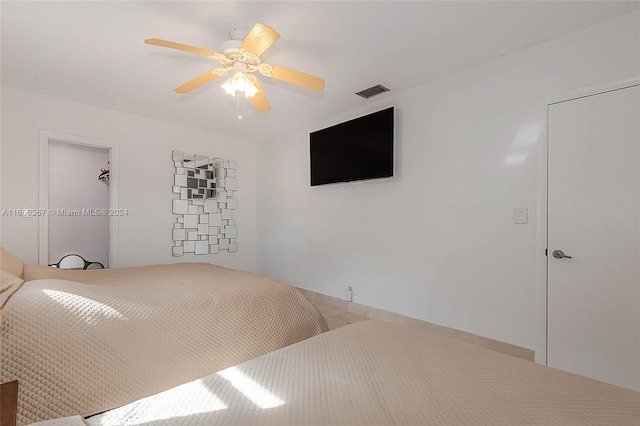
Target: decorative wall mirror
205, 205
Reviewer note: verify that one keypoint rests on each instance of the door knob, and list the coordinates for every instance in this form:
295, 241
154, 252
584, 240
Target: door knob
559, 254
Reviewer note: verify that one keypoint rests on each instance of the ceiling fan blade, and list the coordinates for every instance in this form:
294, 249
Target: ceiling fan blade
259, 100
292, 76
180, 46
260, 38
200, 80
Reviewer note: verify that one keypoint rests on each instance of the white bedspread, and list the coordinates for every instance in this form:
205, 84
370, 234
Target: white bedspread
379, 373
80, 348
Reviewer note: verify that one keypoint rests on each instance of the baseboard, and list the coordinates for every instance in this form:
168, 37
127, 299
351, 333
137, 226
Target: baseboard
380, 314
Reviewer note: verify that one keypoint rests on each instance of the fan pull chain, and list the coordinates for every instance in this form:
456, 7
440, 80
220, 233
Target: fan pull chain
238, 136
238, 132
239, 110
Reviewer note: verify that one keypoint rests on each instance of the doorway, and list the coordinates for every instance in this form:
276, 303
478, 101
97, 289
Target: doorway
78, 197
593, 236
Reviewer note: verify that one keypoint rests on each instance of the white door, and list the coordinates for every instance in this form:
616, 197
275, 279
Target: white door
593, 317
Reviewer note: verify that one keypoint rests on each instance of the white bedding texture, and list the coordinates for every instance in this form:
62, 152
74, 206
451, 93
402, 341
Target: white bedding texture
379, 373
86, 347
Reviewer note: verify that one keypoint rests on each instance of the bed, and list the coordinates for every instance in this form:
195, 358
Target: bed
82, 342
381, 373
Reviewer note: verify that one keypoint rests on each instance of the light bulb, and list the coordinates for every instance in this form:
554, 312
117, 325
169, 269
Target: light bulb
228, 87
250, 90
240, 82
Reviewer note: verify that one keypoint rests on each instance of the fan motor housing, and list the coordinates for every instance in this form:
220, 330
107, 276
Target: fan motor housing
230, 45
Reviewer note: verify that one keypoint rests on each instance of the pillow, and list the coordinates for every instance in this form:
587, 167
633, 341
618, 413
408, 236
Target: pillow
11, 264
9, 284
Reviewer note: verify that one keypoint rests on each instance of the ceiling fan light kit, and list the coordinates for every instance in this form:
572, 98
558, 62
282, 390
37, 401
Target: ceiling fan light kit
240, 82
243, 58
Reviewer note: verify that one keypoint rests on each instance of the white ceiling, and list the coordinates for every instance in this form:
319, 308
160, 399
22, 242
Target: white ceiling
93, 52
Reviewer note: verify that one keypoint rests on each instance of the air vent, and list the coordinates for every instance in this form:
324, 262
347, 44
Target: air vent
372, 91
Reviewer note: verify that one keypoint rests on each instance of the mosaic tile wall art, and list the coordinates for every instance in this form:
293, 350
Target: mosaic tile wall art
205, 206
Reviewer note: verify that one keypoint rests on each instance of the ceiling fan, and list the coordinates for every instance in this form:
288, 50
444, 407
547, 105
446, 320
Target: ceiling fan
242, 57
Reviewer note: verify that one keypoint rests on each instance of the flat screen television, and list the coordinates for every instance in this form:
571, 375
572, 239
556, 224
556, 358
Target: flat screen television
358, 149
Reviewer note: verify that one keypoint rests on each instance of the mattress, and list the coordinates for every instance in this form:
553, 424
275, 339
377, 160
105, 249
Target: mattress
379, 373
110, 337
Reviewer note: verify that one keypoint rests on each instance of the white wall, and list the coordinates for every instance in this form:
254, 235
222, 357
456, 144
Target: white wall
145, 175
74, 185
437, 242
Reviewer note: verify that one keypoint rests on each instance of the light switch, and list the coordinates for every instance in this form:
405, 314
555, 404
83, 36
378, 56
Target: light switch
520, 215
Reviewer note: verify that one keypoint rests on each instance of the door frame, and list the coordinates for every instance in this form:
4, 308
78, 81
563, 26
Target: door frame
542, 211
43, 190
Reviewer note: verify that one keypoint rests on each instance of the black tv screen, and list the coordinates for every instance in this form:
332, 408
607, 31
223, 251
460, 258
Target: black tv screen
358, 149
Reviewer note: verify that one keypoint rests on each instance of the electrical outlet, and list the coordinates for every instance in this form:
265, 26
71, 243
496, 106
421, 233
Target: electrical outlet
350, 294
